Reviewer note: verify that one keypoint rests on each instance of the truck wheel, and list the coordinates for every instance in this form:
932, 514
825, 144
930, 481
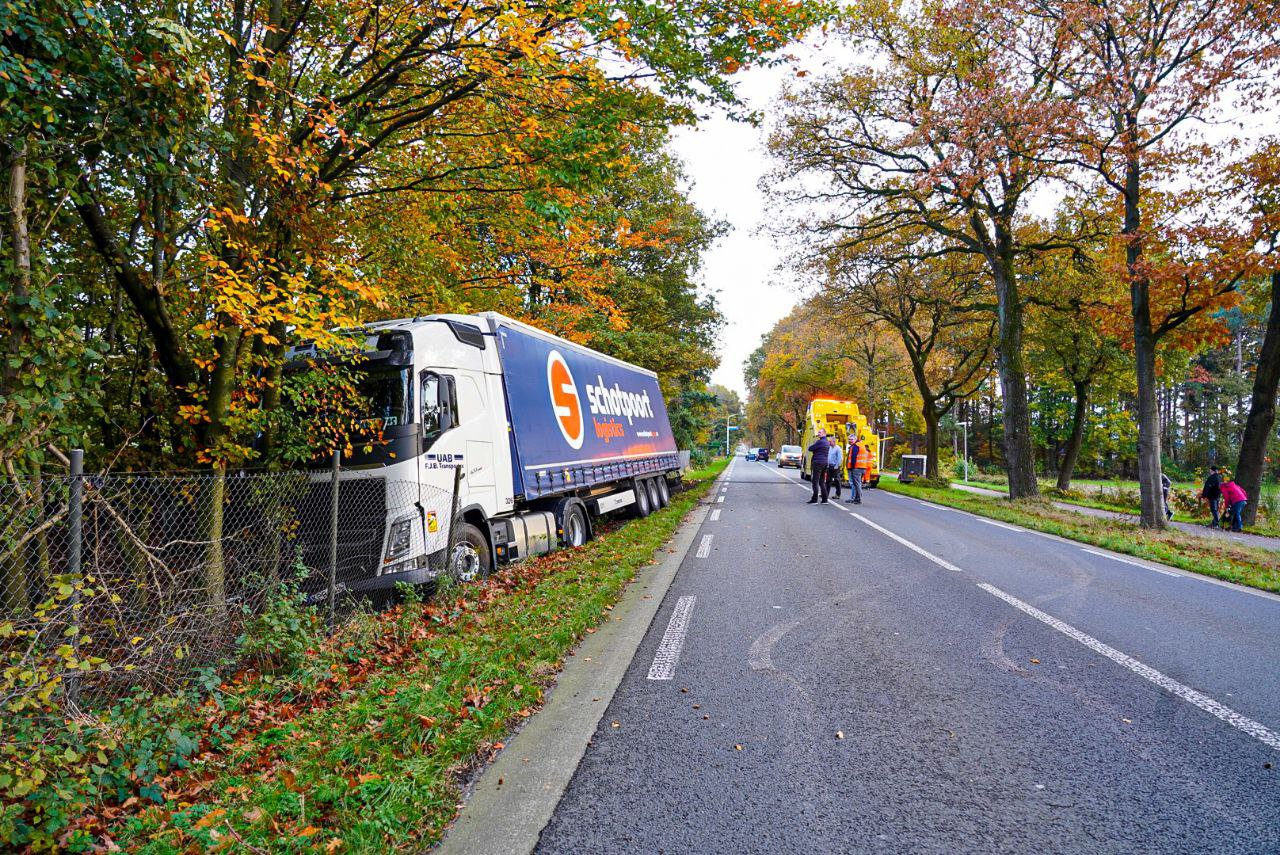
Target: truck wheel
655, 498
471, 560
804, 476
574, 525
643, 507
664, 491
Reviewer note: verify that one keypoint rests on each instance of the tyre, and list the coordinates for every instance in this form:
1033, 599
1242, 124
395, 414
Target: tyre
643, 506
804, 476
655, 498
574, 525
471, 561
664, 491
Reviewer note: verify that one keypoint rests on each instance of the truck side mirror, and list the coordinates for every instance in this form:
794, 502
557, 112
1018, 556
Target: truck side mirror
447, 396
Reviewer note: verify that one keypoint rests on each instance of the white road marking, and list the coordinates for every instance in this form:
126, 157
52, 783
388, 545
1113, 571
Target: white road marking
704, 548
715, 515
1134, 563
668, 655
999, 524
941, 562
1204, 702
719, 498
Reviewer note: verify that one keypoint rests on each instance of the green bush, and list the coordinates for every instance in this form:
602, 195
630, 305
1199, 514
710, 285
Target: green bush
933, 483
279, 637
55, 760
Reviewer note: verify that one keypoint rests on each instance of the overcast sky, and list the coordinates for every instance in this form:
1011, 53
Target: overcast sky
724, 161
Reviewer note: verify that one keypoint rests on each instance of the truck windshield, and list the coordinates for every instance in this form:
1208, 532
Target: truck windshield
388, 393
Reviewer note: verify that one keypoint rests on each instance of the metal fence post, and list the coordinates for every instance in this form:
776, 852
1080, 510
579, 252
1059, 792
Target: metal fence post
333, 535
75, 534
453, 520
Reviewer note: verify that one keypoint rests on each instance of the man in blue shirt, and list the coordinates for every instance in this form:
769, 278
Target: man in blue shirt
835, 460
818, 467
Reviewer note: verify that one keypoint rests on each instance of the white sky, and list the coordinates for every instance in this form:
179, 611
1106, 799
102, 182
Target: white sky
725, 161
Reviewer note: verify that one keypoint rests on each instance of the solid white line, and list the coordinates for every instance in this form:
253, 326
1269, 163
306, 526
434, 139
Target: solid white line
715, 515
908, 544
719, 498
999, 524
1191, 696
704, 548
668, 655
1134, 563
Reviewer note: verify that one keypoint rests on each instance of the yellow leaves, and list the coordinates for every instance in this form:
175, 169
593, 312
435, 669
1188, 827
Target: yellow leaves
193, 413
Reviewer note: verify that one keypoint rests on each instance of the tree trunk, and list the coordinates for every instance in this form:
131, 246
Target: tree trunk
1019, 456
1078, 419
930, 414
1262, 409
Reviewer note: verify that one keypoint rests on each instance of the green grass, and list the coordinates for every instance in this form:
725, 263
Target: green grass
1122, 497
363, 749
1218, 557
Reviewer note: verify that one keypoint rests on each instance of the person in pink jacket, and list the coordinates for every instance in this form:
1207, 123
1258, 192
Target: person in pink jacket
1234, 497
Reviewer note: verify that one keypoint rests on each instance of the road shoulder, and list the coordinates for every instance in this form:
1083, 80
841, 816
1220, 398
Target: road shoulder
515, 797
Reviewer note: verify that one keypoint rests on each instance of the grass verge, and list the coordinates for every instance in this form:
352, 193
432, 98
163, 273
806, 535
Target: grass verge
1187, 510
362, 747
1220, 558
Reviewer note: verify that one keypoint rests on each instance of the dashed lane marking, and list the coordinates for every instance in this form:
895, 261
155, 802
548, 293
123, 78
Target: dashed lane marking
668, 655
715, 515
1258, 731
719, 498
704, 548
1134, 563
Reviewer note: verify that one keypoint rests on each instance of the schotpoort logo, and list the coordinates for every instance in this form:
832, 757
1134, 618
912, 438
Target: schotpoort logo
564, 400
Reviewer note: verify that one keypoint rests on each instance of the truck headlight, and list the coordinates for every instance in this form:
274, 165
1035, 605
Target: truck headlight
398, 539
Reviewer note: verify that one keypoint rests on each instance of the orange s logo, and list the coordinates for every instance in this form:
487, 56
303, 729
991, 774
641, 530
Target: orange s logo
564, 400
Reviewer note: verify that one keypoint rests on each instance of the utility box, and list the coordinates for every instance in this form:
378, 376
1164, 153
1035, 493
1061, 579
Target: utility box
912, 467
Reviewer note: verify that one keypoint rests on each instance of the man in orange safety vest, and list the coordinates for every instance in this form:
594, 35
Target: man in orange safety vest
859, 463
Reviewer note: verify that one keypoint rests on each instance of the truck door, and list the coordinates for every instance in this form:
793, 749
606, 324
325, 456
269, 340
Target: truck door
476, 419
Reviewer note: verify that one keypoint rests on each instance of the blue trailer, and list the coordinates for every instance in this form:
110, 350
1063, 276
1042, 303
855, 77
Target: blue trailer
579, 419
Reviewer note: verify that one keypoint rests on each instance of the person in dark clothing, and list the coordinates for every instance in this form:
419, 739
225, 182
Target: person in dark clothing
1212, 493
818, 467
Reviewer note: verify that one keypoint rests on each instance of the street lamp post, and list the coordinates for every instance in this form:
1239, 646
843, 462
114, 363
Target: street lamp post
965, 425
727, 417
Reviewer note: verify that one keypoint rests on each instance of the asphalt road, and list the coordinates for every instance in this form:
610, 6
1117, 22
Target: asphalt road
913, 679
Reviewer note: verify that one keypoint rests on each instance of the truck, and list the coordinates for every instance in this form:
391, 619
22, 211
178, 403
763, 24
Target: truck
496, 441
841, 420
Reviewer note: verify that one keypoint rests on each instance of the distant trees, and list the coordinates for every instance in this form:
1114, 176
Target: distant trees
930, 303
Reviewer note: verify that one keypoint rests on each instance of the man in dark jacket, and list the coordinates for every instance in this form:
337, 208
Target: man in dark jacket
818, 467
1212, 492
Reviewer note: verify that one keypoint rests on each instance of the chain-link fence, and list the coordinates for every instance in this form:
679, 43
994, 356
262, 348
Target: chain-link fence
111, 582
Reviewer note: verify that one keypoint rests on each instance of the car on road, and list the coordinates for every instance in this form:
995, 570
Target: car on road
789, 455
762, 454
751, 454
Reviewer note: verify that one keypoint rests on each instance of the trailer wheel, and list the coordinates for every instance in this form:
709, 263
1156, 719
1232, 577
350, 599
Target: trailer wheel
655, 498
664, 491
471, 560
574, 525
643, 506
